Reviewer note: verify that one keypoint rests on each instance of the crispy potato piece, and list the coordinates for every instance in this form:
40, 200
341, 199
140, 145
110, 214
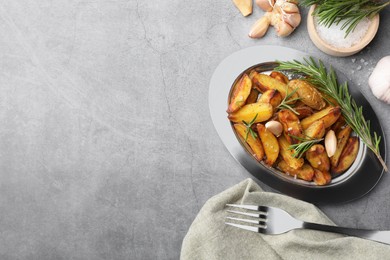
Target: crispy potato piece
342, 138
318, 158
240, 93
279, 76
308, 93
316, 130
254, 143
321, 178
288, 155
264, 82
272, 97
248, 112
329, 115
348, 155
252, 98
291, 125
328, 98
339, 125
270, 144
305, 173
304, 111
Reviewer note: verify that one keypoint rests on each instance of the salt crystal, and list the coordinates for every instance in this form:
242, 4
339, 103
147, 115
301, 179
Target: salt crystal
353, 60
334, 35
366, 63
359, 67
361, 60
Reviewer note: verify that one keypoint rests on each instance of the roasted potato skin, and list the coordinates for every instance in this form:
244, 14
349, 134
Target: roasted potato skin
303, 111
316, 130
291, 125
270, 144
272, 97
342, 138
264, 82
253, 96
288, 155
348, 155
306, 172
308, 93
248, 112
329, 115
240, 93
279, 76
318, 158
321, 178
254, 143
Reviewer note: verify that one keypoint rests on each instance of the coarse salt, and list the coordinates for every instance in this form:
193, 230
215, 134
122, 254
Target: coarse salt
334, 35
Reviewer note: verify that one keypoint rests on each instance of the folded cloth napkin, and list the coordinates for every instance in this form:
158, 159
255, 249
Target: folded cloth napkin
209, 237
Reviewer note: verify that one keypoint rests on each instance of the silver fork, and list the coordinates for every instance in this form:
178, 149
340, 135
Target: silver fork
270, 220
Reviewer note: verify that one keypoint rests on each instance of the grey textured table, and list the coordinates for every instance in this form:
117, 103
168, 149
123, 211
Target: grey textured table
107, 147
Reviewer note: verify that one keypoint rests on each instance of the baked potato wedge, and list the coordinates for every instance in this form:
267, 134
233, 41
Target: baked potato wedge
318, 158
339, 125
291, 126
329, 115
254, 143
342, 138
306, 172
247, 113
264, 82
321, 178
303, 111
348, 155
288, 155
272, 97
270, 144
240, 93
316, 130
253, 96
279, 76
308, 93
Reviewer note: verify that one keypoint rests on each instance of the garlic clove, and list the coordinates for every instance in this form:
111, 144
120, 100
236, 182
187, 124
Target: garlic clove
274, 127
283, 29
260, 27
330, 143
379, 81
292, 19
244, 6
266, 5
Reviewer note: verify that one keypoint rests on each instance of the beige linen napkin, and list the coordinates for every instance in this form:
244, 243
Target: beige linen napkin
209, 238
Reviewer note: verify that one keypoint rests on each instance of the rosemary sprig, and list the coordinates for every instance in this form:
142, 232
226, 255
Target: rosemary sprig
305, 144
286, 102
350, 12
326, 82
249, 128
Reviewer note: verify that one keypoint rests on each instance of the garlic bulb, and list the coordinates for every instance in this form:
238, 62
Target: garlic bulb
282, 14
379, 80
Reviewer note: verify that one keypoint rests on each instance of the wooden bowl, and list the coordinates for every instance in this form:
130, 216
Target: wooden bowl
336, 51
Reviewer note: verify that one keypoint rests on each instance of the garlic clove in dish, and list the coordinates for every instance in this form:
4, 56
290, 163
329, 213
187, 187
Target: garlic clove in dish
274, 127
330, 143
379, 81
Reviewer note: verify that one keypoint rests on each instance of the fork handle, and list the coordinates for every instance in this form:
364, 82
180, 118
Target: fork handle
379, 236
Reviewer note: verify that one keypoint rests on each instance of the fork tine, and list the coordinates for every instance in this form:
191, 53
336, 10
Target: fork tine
256, 215
261, 222
250, 228
250, 207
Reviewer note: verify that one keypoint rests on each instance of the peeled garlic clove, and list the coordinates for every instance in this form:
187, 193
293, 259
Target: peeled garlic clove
330, 143
283, 29
266, 5
245, 6
259, 28
274, 127
379, 80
